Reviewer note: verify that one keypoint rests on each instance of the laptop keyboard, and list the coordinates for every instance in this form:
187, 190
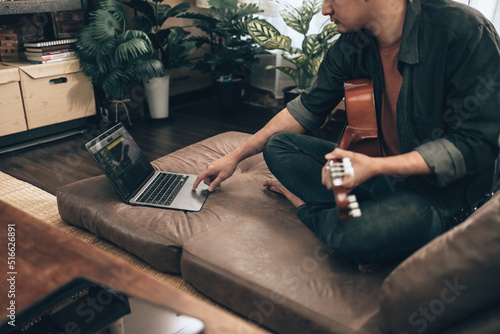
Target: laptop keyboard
163, 189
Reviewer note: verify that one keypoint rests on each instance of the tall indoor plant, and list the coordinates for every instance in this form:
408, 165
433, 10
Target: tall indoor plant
116, 59
306, 60
231, 51
170, 45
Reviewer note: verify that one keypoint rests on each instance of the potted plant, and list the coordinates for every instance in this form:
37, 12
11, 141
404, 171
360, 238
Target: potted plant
170, 45
306, 60
232, 52
116, 59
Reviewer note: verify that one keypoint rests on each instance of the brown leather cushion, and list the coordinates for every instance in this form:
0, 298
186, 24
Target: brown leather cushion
274, 272
157, 235
452, 278
246, 248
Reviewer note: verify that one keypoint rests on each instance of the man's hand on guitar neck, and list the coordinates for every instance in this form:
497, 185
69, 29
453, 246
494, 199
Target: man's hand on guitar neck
366, 167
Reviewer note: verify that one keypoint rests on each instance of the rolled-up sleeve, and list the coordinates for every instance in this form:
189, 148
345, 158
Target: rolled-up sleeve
444, 159
303, 116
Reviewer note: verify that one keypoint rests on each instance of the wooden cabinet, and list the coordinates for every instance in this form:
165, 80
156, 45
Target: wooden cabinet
42, 100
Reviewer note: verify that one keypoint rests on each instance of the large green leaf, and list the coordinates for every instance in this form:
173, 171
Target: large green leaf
223, 4
311, 8
104, 26
145, 69
200, 40
314, 65
298, 60
115, 8
142, 23
246, 10
293, 18
292, 72
144, 7
267, 36
133, 44
165, 11
195, 16
93, 72
299, 18
86, 46
205, 23
113, 84
279, 42
177, 49
311, 46
329, 31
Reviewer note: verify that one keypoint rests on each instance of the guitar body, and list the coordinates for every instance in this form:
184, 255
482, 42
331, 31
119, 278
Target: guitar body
361, 133
361, 136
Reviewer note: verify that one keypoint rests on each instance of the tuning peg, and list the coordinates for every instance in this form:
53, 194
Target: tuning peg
348, 170
353, 205
356, 213
351, 199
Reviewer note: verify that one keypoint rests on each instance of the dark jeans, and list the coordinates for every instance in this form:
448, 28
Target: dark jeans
395, 220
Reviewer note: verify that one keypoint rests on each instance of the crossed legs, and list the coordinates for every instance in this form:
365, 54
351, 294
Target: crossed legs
396, 219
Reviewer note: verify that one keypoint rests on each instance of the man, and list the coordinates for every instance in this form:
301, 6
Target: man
435, 66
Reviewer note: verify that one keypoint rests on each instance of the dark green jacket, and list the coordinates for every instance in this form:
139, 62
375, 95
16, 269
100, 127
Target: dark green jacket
449, 106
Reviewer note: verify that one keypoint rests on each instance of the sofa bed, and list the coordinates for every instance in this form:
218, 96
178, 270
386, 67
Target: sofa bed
247, 250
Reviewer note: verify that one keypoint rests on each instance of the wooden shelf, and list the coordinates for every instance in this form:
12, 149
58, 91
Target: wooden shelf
48, 123
22, 7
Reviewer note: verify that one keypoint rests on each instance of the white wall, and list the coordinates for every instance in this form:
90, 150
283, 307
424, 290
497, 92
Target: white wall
489, 8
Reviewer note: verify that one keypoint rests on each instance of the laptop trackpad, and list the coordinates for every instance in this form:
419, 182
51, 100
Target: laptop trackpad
188, 199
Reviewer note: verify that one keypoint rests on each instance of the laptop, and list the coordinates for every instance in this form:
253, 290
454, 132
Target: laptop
135, 179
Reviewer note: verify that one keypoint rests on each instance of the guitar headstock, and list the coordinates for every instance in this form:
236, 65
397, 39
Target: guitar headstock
347, 205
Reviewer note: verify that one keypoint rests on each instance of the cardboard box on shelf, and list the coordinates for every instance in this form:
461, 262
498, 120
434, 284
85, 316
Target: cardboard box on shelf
12, 118
55, 92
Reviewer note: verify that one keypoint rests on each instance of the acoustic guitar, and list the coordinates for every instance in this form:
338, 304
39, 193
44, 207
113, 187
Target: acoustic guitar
361, 136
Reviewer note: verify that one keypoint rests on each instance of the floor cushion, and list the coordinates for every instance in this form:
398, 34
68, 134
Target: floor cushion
246, 248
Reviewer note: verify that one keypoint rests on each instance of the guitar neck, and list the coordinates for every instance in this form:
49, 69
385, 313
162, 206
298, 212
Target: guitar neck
347, 205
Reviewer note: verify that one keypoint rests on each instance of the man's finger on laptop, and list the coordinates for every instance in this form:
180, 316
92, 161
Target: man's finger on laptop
215, 183
198, 180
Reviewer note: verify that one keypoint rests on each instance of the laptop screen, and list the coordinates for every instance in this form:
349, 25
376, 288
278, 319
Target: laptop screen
121, 160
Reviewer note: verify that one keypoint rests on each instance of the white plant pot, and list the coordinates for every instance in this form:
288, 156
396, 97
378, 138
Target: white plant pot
157, 95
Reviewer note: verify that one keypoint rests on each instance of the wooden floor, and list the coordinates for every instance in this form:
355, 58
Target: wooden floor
54, 164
